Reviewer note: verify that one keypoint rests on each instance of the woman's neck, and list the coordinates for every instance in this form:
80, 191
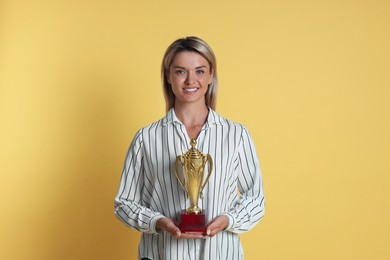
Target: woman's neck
193, 117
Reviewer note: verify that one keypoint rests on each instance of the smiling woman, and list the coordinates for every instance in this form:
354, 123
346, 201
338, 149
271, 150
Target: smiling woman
189, 77
150, 198
204, 56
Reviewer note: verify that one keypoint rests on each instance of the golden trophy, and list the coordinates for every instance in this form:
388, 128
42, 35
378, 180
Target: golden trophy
193, 164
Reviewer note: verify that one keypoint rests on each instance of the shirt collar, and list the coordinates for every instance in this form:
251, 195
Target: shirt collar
213, 118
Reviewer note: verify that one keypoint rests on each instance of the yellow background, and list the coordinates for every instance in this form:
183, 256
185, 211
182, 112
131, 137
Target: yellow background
310, 79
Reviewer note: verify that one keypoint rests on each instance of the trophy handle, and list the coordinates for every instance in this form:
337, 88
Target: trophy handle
210, 161
179, 159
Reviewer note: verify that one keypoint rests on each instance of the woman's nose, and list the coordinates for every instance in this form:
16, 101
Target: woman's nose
190, 78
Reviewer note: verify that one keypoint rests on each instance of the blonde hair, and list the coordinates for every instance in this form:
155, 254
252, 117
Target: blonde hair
192, 44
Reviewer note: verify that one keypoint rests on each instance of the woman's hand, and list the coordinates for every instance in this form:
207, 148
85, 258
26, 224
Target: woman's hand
214, 227
217, 225
170, 226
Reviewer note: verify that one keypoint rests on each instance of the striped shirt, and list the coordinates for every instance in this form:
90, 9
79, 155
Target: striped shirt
149, 189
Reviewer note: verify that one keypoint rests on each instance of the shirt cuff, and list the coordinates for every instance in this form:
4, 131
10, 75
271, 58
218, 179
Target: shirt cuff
153, 223
231, 220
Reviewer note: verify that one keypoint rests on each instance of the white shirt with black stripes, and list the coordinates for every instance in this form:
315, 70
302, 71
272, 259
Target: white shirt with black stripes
149, 189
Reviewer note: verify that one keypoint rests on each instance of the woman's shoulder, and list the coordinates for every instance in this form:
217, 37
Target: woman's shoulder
218, 119
145, 133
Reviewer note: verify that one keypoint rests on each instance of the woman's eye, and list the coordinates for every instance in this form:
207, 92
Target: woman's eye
180, 72
200, 71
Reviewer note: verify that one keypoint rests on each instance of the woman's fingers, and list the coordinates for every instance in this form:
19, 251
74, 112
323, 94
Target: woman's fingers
192, 235
217, 225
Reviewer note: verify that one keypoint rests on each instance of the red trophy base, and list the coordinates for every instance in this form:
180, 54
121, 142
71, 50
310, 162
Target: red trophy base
193, 223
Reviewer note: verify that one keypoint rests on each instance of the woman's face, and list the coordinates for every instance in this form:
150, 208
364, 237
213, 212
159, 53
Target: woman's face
189, 76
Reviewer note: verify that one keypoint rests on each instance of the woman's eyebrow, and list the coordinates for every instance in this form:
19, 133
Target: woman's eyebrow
178, 67
181, 67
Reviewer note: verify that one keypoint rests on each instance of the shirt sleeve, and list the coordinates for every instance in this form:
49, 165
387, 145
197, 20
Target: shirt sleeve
250, 207
128, 202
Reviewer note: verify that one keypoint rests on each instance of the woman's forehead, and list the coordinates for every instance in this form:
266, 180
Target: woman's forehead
189, 58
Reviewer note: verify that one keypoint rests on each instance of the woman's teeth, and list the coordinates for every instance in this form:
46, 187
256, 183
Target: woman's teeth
190, 89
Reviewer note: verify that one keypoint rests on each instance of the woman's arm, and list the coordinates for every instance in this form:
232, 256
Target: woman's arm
128, 206
251, 206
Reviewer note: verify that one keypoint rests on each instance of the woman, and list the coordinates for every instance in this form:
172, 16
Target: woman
150, 197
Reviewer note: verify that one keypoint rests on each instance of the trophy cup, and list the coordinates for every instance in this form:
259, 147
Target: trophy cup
193, 164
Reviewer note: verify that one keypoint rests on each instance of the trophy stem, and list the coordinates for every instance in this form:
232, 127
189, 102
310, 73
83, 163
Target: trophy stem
194, 210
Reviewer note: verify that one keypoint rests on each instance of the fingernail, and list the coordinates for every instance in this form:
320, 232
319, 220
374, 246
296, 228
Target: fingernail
208, 232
